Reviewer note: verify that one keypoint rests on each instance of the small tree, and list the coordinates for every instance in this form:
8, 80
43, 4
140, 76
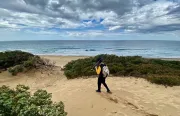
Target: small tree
20, 102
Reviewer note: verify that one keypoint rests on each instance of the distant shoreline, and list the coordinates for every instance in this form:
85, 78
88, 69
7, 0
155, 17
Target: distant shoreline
144, 48
83, 56
65, 55
81, 40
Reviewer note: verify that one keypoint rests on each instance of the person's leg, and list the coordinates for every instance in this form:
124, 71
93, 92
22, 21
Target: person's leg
99, 85
105, 85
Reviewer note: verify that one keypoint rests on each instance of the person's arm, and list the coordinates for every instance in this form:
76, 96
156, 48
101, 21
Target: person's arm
98, 69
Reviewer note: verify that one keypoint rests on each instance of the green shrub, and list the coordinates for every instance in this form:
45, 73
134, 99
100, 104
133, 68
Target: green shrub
33, 62
126, 66
165, 80
171, 64
16, 69
12, 58
116, 69
18, 61
81, 67
20, 102
29, 63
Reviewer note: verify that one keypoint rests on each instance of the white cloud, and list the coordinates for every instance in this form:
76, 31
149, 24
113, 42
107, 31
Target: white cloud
87, 34
43, 32
151, 15
129, 30
137, 16
6, 24
114, 28
111, 21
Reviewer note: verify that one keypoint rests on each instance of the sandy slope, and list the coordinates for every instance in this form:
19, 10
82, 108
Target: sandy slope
131, 96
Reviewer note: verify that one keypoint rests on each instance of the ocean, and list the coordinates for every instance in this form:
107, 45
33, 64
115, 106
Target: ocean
144, 48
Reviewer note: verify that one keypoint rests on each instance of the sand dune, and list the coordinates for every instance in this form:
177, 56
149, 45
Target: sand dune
131, 96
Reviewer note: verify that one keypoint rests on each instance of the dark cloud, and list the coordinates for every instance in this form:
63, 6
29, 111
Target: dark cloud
118, 13
118, 6
162, 28
41, 3
17, 6
174, 11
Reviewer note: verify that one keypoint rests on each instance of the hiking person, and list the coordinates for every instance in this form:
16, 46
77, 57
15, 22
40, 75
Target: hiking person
100, 70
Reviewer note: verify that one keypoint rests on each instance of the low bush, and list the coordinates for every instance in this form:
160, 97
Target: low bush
20, 102
155, 70
16, 69
165, 80
18, 61
78, 68
12, 58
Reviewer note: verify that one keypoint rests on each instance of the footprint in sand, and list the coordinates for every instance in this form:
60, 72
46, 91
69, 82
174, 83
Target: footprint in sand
115, 113
109, 97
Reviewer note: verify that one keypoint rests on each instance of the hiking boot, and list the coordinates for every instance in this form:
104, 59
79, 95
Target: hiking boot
98, 91
109, 92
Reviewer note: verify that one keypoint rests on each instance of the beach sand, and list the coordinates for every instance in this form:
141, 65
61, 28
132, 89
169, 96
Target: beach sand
130, 97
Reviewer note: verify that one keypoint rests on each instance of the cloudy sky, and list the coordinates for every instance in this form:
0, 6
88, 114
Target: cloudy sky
89, 19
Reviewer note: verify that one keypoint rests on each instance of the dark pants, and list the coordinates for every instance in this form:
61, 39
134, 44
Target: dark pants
103, 81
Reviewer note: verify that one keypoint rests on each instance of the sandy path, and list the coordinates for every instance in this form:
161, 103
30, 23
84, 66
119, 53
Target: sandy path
62, 60
131, 96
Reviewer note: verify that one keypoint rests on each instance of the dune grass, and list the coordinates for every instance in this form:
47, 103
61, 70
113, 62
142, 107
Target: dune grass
154, 70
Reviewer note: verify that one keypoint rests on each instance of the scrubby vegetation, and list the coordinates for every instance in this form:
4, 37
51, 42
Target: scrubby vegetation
18, 61
154, 70
12, 58
20, 102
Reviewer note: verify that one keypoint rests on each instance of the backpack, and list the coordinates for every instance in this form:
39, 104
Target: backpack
105, 71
